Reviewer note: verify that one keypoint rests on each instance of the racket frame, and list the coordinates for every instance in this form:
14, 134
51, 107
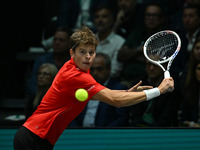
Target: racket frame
170, 59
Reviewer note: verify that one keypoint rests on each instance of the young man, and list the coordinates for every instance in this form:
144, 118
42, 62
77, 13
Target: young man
59, 106
100, 114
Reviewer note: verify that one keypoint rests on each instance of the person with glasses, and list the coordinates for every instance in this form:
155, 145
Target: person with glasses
45, 76
131, 53
59, 106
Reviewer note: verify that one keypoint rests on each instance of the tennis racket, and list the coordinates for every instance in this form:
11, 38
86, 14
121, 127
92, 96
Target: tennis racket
162, 47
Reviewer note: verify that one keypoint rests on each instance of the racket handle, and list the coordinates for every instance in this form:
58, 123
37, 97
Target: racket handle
167, 74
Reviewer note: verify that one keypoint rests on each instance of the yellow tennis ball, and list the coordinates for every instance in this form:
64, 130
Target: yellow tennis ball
81, 95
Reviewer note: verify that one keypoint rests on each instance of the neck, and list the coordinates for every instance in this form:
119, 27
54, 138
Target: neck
104, 34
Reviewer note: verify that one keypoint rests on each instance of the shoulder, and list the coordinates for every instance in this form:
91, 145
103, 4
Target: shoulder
70, 74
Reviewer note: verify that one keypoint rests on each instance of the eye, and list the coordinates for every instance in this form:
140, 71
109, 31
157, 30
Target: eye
91, 53
82, 52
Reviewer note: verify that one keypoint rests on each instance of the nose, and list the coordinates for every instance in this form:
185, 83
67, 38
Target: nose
88, 55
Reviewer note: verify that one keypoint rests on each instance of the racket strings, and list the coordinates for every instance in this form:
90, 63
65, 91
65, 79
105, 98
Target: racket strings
162, 46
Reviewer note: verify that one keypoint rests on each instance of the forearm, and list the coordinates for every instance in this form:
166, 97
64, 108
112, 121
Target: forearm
120, 98
123, 98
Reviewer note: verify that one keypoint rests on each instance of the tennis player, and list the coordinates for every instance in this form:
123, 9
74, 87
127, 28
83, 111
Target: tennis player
59, 106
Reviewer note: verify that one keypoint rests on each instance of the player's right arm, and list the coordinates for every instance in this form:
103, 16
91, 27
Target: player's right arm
120, 98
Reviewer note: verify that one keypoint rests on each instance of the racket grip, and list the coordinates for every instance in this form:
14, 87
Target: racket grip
167, 74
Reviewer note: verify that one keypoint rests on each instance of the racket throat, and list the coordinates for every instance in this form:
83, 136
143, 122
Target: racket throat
166, 74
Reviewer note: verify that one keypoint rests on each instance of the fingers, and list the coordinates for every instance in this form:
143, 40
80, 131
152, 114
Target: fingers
134, 88
138, 84
141, 88
171, 87
167, 85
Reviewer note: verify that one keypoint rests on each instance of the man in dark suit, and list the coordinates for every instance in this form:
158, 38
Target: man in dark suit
99, 114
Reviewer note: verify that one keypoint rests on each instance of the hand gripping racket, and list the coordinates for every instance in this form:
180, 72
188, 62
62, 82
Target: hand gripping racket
162, 47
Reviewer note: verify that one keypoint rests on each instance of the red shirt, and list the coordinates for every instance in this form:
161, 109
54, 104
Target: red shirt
59, 105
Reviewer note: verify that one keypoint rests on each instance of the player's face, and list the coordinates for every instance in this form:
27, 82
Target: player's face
84, 56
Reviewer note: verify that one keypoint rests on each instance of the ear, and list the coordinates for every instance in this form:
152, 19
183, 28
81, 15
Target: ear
71, 53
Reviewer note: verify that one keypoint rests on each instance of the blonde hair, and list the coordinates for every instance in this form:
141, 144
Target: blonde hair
52, 68
83, 36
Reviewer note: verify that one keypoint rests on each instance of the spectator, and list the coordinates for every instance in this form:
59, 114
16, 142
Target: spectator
45, 76
190, 111
59, 56
77, 13
161, 111
194, 57
191, 22
109, 42
100, 114
128, 17
131, 53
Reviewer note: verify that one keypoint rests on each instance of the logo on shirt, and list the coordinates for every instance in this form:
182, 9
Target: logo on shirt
91, 88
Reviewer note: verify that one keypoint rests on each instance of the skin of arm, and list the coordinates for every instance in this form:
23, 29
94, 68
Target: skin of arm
121, 98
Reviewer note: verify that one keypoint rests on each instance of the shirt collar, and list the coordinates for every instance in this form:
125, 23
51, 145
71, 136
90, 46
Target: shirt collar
108, 39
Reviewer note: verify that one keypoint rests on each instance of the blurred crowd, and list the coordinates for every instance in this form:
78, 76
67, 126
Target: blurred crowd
121, 27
